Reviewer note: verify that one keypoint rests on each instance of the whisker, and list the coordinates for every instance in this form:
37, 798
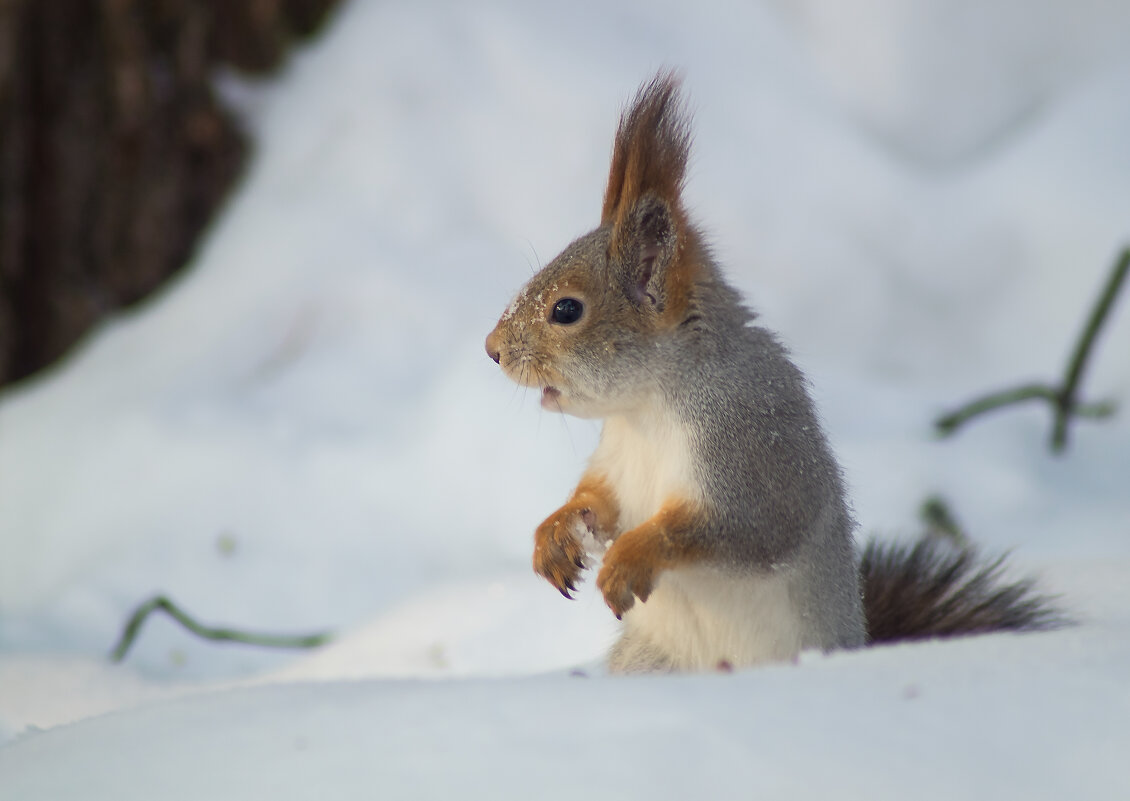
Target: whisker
565, 425
537, 259
514, 397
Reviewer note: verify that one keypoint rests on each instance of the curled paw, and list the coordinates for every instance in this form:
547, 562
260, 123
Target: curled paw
622, 580
559, 556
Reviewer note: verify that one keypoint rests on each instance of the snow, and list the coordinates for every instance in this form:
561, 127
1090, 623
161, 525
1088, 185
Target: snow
941, 718
304, 431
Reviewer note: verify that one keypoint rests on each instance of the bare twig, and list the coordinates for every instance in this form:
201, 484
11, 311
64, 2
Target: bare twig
1069, 393
129, 634
941, 523
1064, 399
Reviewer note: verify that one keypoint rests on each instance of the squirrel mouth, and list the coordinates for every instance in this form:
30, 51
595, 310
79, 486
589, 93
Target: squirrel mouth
551, 398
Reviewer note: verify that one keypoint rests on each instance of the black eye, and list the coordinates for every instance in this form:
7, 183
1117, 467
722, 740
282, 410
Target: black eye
567, 311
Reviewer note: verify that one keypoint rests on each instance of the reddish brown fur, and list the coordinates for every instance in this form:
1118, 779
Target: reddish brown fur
649, 157
650, 150
633, 562
558, 554
683, 273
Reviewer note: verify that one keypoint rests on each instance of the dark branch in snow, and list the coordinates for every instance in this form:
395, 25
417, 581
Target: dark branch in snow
161, 603
1064, 399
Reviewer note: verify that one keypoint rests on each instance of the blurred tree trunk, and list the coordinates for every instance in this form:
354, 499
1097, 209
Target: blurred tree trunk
114, 151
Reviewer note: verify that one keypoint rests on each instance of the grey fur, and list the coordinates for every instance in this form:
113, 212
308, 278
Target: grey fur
774, 499
664, 337
776, 495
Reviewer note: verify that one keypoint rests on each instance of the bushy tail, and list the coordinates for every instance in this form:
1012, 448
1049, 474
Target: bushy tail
933, 589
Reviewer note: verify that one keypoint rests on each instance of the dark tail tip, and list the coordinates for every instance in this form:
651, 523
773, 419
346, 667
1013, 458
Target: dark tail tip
932, 589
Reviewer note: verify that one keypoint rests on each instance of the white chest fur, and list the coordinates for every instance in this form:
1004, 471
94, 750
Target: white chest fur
646, 459
697, 616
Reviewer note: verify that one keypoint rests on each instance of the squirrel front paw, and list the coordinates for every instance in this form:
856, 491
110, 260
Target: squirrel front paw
627, 574
559, 556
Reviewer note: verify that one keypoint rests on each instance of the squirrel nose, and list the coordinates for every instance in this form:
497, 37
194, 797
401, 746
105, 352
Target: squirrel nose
493, 349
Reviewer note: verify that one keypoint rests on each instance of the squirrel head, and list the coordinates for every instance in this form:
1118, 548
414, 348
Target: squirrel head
586, 328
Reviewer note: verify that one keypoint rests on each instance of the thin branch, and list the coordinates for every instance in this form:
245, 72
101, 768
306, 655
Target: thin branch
1064, 399
163, 604
949, 423
1082, 352
941, 523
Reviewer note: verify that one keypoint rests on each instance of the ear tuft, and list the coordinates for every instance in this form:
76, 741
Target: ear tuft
650, 152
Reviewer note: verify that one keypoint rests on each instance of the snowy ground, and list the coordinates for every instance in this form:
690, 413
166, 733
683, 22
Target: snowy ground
304, 432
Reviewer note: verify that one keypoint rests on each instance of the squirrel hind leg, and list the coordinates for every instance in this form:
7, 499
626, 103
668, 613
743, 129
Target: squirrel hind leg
633, 653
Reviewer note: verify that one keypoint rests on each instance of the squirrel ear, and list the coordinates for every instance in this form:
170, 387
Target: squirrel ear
646, 249
643, 203
650, 151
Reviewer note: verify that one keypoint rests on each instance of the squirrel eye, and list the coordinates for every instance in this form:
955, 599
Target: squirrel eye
567, 311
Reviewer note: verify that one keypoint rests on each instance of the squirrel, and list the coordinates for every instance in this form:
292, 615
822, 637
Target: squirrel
713, 498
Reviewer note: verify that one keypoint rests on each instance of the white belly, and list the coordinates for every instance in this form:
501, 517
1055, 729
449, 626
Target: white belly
698, 618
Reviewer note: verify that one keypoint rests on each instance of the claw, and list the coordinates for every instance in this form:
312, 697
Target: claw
565, 593
580, 562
